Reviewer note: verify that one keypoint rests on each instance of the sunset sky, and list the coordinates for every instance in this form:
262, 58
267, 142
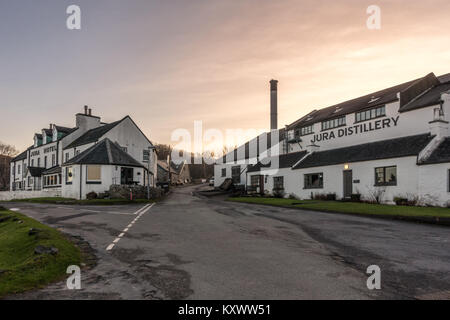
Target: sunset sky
167, 63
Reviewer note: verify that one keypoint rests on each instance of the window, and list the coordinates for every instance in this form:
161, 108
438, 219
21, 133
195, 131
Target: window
69, 175
53, 160
313, 181
51, 181
39, 162
224, 172
370, 114
304, 131
236, 174
145, 155
67, 156
94, 173
45, 162
254, 181
333, 123
386, 176
278, 183
18, 169
32, 162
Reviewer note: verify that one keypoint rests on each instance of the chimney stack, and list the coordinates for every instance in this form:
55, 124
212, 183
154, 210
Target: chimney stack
90, 112
85, 110
273, 104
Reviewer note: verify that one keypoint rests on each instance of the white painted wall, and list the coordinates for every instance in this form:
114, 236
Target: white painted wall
11, 195
434, 184
110, 175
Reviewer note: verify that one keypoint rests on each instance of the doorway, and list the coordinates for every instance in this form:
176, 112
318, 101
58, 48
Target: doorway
126, 176
348, 183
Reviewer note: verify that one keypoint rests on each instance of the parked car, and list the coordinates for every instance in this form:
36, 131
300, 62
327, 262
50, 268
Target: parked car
211, 182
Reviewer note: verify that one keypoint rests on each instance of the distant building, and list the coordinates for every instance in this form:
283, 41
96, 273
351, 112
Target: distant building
91, 156
387, 144
179, 174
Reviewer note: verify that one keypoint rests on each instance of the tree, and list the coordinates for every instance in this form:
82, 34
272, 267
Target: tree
7, 150
6, 153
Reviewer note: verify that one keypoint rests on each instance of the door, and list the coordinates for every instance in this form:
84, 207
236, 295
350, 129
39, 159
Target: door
348, 183
126, 176
261, 184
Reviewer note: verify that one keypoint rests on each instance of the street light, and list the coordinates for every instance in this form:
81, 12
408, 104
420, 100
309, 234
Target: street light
148, 171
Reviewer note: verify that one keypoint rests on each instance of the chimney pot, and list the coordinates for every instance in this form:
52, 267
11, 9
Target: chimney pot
85, 109
90, 112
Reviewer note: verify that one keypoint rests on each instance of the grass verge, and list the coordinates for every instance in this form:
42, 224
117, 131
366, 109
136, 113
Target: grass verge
69, 201
352, 207
20, 268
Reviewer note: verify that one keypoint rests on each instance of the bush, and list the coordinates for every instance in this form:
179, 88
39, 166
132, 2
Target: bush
400, 201
278, 193
331, 197
355, 197
325, 197
91, 195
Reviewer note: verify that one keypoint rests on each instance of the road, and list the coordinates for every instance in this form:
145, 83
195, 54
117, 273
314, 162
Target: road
189, 247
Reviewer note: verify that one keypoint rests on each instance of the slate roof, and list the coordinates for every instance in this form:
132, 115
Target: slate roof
65, 129
374, 99
21, 156
386, 149
48, 132
36, 171
429, 98
104, 152
285, 161
93, 135
53, 170
441, 154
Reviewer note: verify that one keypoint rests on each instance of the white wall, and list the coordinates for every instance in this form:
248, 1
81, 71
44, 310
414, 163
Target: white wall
434, 183
11, 195
409, 123
110, 175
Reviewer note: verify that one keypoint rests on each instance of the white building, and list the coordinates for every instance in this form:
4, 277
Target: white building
391, 143
88, 157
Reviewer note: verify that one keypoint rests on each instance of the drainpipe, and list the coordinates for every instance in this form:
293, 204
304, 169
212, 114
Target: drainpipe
81, 180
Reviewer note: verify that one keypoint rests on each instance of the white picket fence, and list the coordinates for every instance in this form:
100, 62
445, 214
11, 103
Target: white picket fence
11, 195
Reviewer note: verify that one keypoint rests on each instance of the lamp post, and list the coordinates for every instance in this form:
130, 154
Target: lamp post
150, 148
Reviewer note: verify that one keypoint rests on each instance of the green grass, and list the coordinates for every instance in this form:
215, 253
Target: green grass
20, 268
350, 207
59, 200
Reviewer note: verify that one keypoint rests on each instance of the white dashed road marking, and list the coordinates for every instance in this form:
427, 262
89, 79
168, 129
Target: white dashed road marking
141, 211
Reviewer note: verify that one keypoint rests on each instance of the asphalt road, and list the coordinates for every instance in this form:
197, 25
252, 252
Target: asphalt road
188, 247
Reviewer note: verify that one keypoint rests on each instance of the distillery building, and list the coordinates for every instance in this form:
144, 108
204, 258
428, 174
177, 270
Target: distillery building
393, 143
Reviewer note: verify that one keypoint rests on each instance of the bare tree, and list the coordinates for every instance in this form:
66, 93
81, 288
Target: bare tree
6, 153
7, 150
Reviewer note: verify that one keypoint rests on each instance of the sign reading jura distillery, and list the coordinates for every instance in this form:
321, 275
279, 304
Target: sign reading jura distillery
356, 129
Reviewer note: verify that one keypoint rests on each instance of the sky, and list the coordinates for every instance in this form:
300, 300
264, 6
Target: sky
168, 63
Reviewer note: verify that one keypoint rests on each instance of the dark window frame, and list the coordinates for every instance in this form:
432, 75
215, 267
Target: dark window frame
236, 177
370, 117
224, 172
385, 183
310, 186
331, 123
67, 175
277, 183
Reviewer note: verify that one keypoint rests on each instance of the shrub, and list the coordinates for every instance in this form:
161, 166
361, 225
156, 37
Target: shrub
331, 196
278, 193
355, 197
91, 195
400, 201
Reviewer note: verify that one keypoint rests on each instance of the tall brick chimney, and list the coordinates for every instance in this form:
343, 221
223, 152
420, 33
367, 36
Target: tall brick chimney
273, 104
